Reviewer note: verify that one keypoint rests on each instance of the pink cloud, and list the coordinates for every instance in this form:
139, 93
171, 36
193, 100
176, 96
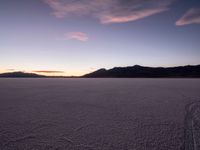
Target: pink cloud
80, 36
62, 9
132, 17
192, 16
109, 11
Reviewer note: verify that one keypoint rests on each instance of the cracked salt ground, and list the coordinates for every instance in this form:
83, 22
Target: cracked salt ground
192, 126
99, 114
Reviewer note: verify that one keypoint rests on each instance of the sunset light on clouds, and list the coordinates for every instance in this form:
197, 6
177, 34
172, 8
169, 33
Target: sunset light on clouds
192, 16
100, 74
108, 11
68, 37
80, 36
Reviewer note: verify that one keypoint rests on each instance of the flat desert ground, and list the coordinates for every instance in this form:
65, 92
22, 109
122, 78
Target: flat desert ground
99, 114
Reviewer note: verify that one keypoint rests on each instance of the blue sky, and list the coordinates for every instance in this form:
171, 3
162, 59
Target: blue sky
66, 37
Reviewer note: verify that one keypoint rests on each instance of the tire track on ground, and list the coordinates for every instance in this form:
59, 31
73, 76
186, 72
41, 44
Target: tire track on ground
191, 123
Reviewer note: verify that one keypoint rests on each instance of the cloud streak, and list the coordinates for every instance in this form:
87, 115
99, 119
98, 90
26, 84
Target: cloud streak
48, 71
80, 36
192, 16
109, 11
132, 17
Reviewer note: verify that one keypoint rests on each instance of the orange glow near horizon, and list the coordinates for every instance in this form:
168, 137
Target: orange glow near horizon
48, 72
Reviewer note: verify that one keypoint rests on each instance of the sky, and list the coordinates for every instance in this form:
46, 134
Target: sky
74, 37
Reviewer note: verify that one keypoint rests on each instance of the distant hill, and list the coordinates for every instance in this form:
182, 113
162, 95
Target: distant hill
20, 75
124, 72
147, 72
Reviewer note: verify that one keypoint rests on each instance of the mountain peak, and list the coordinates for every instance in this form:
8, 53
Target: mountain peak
138, 71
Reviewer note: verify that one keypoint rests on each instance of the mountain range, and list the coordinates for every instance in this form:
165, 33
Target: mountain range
124, 72
146, 72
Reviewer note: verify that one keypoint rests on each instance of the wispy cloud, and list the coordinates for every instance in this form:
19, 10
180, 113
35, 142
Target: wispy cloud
192, 16
48, 71
80, 36
109, 11
132, 17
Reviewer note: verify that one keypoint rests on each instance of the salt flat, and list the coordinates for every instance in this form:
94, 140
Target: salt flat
99, 114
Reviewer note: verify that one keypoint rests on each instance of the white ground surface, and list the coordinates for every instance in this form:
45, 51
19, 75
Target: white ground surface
99, 114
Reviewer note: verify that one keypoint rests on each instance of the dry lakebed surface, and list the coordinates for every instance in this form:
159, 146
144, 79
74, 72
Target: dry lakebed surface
99, 114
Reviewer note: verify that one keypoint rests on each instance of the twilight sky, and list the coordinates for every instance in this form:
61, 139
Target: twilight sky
74, 37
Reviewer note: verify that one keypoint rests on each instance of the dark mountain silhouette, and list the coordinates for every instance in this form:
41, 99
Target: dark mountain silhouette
29, 75
20, 75
146, 72
124, 72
